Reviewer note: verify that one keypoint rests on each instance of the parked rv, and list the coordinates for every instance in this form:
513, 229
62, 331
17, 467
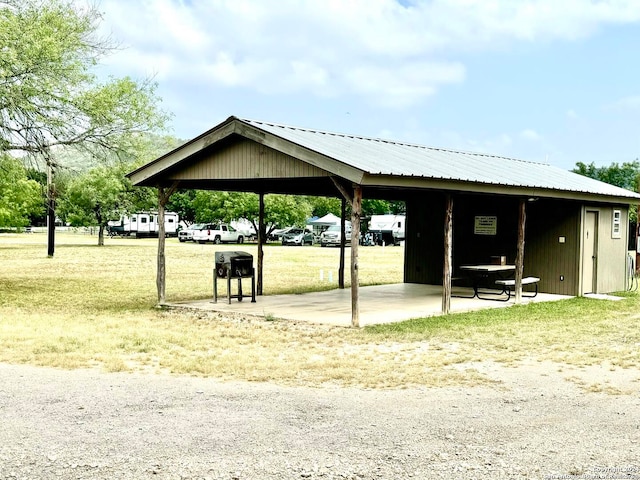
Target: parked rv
143, 224
387, 229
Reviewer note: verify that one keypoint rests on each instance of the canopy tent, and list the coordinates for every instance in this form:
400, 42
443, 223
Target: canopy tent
327, 220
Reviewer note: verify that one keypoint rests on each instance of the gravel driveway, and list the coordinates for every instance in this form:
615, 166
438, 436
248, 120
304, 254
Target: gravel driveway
533, 423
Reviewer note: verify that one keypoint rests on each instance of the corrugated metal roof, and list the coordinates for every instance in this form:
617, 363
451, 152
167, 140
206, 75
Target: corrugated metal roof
376, 156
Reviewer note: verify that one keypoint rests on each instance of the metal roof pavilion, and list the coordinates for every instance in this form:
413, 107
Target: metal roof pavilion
384, 157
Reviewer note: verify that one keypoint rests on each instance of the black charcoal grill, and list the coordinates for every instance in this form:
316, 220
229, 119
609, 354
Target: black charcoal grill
233, 265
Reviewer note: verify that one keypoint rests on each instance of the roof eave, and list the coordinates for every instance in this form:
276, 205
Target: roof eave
389, 181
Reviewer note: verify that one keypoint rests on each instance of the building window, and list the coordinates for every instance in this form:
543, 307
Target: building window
616, 224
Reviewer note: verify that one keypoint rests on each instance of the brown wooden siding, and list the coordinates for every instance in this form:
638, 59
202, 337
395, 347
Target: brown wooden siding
246, 159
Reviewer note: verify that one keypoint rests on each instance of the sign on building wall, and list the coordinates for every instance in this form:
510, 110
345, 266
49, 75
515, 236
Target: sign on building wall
616, 224
485, 225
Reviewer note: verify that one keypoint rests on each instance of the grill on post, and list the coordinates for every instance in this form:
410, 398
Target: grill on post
233, 265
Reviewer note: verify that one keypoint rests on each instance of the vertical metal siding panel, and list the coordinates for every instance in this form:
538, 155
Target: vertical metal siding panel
424, 239
237, 162
247, 159
243, 164
545, 256
611, 252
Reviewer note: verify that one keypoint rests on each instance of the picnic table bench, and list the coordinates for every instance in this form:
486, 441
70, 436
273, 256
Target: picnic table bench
481, 274
508, 284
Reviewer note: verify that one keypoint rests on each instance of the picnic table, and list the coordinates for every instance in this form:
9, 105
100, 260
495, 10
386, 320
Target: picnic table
501, 275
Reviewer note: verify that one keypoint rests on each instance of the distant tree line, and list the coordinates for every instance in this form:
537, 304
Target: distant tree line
625, 175
93, 196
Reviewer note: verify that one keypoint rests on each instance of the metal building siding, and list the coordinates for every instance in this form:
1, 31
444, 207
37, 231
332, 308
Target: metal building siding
247, 159
382, 157
424, 234
611, 252
545, 256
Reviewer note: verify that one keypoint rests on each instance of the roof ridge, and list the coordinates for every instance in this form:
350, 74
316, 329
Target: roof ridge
392, 142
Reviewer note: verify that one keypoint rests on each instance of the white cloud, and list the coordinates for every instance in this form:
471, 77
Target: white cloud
380, 50
530, 134
572, 114
404, 85
626, 103
494, 145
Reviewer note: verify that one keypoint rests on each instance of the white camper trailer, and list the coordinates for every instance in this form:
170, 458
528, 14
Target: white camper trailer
387, 229
144, 224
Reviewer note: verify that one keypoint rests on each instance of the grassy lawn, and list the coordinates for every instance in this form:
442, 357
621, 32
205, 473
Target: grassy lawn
93, 306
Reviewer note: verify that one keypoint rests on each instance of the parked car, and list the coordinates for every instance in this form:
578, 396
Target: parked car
331, 236
277, 234
218, 233
186, 234
297, 236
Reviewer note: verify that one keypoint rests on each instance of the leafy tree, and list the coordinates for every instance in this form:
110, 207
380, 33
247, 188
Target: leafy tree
320, 206
397, 207
626, 176
49, 95
209, 206
20, 196
280, 210
96, 197
182, 202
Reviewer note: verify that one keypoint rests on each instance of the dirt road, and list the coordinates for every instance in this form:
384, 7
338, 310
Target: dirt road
532, 423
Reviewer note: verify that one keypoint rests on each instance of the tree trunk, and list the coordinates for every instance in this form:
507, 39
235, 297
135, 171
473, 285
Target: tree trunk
448, 256
101, 235
356, 209
161, 274
163, 198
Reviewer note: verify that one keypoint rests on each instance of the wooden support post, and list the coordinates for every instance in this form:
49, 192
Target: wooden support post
355, 200
343, 216
356, 212
163, 198
261, 239
522, 218
448, 255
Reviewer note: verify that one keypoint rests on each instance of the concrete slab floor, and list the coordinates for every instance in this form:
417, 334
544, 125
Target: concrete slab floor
377, 304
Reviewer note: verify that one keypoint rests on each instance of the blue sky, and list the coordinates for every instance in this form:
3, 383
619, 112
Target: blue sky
553, 81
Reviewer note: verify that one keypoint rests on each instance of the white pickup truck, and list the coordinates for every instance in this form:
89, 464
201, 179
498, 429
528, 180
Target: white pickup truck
218, 233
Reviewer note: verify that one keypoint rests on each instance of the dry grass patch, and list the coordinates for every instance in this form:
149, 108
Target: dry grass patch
94, 307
